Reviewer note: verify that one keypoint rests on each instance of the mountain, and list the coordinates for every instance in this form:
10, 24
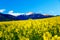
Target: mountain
8, 17
32, 16
36, 16
22, 17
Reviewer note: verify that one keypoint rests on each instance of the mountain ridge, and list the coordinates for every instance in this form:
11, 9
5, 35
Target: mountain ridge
8, 17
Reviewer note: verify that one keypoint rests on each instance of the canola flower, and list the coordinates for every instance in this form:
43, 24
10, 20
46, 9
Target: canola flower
1, 34
39, 29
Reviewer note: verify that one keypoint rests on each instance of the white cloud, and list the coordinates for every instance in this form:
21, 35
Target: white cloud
29, 13
17, 14
14, 14
2, 10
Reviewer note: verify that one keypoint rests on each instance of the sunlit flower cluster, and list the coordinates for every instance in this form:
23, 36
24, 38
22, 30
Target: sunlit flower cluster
39, 29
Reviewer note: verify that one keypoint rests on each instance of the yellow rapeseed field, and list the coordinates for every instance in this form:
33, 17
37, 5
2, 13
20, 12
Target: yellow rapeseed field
38, 29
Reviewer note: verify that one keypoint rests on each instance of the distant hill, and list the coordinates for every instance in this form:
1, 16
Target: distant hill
32, 16
8, 17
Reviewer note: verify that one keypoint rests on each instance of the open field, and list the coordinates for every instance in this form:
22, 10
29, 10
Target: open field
39, 29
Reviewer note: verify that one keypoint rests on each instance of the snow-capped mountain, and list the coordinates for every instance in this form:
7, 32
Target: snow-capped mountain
30, 15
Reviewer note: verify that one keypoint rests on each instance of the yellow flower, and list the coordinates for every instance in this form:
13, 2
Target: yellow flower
58, 38
1, 34
17, 30
47, 36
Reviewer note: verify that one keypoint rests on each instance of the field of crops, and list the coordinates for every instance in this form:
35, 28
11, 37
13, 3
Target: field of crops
39, 29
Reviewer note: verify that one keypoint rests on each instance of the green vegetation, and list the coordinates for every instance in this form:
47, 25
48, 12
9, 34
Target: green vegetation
39, 29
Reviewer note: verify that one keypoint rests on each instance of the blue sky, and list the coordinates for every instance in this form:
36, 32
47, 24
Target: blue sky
24, 6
